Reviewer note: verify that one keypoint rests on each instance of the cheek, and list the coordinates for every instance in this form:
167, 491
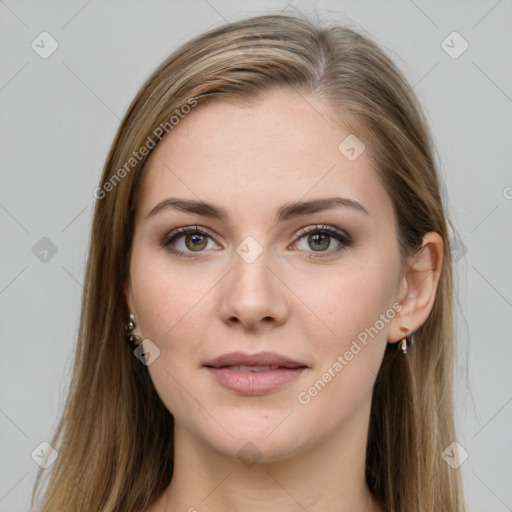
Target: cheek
166, 296
353, 300
357, 308
171, 311
348, 360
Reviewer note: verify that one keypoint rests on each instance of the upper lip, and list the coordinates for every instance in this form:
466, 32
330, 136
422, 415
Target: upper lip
259, 359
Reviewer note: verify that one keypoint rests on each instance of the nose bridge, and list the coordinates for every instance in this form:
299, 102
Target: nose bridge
254, 294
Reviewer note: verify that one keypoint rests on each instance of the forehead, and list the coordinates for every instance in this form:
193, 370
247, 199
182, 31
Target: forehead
281, 148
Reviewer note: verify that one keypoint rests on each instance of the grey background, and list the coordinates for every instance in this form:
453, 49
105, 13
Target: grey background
58, 117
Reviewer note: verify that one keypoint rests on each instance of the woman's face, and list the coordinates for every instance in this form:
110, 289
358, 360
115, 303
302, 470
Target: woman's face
277, 270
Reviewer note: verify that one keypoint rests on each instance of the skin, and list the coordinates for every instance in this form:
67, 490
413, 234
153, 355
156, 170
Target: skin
251, 160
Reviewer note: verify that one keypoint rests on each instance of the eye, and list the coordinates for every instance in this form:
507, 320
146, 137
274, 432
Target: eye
320, 239
183, 241
186, 240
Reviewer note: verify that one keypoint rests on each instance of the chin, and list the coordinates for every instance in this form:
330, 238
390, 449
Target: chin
258, 442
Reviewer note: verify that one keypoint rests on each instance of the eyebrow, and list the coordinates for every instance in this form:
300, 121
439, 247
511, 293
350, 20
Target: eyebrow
285, 212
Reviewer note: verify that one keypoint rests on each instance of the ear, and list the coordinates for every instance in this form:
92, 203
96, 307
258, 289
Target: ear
127, 290
418, 287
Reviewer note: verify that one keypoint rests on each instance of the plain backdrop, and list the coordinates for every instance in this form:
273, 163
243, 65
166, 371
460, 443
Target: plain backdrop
58, 117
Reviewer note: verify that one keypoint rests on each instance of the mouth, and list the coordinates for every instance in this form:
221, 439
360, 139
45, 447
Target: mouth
254, 374
242, 368
264, 360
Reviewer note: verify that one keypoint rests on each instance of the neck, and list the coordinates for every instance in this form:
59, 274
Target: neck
330, 475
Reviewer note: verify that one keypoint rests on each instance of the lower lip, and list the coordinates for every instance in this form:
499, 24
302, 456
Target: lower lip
254, 383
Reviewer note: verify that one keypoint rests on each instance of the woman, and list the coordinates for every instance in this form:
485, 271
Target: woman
269, 237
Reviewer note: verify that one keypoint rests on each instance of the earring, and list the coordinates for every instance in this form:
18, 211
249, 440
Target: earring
131, 338
406, 342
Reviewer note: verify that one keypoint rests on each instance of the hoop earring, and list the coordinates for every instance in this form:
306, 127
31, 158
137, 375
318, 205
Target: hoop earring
131, 338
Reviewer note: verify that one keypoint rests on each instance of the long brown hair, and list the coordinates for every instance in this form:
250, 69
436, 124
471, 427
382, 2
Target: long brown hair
115, 436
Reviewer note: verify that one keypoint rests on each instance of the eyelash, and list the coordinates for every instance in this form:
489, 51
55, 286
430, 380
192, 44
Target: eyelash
344, 239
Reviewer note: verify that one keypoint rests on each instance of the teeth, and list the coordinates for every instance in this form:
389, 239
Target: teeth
242, 368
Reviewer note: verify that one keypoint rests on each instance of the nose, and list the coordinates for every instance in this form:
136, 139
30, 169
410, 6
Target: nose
254, 294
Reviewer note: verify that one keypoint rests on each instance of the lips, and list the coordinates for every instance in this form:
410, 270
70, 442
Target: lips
254, 374
242, 368
259, 360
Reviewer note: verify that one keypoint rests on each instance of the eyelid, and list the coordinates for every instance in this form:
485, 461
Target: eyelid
325, 228
186, 230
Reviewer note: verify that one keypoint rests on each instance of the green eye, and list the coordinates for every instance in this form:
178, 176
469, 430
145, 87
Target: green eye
318, 239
